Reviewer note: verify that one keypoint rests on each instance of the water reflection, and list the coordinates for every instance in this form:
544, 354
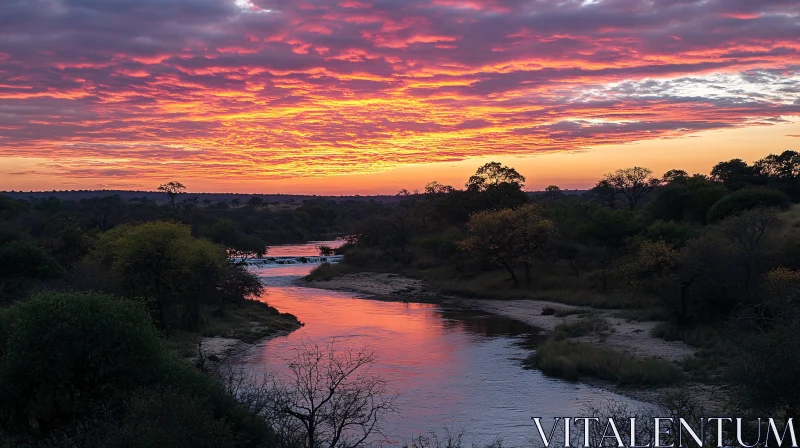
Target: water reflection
453, 368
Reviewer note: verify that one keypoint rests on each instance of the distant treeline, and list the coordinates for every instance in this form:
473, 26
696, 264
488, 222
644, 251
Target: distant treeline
189, 198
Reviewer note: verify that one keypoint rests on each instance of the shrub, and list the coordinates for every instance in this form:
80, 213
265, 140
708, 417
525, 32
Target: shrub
571, 360
61, 353
747, 199
67, 359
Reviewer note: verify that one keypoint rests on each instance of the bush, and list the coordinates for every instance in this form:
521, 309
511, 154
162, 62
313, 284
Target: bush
571, 360
747, 199
61, 353
75, 368
154, 419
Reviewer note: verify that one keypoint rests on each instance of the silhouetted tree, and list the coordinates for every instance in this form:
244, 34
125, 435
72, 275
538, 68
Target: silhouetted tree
632, 183
172, 189
493, 174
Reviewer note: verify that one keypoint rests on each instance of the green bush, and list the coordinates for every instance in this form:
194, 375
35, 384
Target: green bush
154, 419
61, 353
67, 359
747, 199
571, 360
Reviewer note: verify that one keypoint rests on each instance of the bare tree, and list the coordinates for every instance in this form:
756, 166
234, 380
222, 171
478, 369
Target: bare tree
330, 396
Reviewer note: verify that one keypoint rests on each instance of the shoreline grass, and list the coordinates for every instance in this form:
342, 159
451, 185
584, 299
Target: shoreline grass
574, 360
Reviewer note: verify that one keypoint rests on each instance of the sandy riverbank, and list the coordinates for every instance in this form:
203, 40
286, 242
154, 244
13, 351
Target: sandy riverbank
629, 336
218, 349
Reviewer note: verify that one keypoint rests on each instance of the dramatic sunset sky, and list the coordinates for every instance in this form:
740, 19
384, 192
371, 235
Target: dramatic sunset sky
357, 96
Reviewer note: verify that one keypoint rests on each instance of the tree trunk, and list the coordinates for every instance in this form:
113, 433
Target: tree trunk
510, 271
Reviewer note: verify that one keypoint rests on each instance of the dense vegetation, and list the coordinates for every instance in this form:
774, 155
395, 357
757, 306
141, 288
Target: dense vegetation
95, 291
715, 254
96, 295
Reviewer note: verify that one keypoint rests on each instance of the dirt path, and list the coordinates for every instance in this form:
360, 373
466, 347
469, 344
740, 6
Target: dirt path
629, 336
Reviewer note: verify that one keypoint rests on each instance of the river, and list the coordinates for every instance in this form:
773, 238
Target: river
452, 368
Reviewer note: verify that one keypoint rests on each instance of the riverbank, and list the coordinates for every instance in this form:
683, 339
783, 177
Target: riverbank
627, 335
229, 331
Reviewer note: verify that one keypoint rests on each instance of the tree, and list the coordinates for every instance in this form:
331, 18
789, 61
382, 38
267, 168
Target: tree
90, 370
605, 193
172, 189
782, 172
673, 176
97, 344
632, 183
435, 189
507, 237
21, 264
236, 202
163, 262
780, 166
747, 199
552, 192
686, 199
255, 202
331, 397
494, 174
736, 174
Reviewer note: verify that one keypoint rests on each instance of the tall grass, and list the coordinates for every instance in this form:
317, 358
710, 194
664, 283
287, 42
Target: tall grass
582, 327
572, 360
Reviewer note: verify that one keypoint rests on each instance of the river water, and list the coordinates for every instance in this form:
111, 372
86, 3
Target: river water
452, 368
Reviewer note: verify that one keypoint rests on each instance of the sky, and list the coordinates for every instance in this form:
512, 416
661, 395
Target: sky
362, 97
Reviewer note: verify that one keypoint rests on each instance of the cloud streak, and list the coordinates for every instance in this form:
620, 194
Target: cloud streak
287, 88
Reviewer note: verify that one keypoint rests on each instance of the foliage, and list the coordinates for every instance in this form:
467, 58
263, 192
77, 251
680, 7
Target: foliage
63, 352
172, 189
494, 175
90, 370
508, 237
163, 262
765, 370
632, 184
686, 199
747, 199
573, 360
21, 264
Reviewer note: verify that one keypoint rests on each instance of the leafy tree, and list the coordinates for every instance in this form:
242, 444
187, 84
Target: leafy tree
435, 189
507, 237
764, 370
162, 261
747, 199
784, 166
172, 189
552, 192
238, 244
90, 370
686, 199
494, 174
783, 172
673, 176
255, 202
61, 353
21, 264
736, 174
605, 193
633, 184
